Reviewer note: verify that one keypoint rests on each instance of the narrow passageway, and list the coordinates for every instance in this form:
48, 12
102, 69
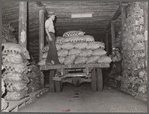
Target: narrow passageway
82, 99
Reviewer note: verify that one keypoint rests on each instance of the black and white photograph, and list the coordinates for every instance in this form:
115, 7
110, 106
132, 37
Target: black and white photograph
74, 56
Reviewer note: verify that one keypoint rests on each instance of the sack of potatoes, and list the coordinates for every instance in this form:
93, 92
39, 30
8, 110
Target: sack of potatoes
16, 86
81, 60
15, 96
73, 33
93, 59
81, 45
61, 59
69, 59
4, 104
42, 62
74, 52
104, 59
86, 52
62, 53
95, 45
99, 52
67, 46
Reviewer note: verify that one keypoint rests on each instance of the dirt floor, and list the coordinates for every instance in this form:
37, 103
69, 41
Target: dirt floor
82, 99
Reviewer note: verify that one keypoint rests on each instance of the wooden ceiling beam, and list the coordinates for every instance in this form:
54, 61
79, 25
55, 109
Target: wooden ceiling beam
116, 15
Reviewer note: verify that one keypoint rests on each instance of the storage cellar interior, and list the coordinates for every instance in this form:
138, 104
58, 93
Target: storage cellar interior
102, 48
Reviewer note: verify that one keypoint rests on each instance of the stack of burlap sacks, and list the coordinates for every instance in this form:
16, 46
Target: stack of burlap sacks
76, 48
7, 34
134, 48
4, 104
14, 62
36, 78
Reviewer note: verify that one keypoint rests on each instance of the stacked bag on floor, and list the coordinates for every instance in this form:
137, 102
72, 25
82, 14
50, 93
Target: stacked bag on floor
76, 48
14, 62
36, 78
4, 104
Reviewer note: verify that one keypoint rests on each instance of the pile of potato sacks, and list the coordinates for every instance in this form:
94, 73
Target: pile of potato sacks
14, 65
4, 104
134, 41
76, 48
36, 78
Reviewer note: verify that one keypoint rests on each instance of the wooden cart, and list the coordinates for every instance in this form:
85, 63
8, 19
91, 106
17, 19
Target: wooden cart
75, 74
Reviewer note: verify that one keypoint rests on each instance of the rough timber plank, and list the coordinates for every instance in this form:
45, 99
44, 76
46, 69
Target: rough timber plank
47, 67
23, 24
14, 104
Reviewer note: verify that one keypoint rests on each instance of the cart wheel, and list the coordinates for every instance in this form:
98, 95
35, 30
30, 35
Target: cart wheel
58, 85
93, 80
99, 80
51, 82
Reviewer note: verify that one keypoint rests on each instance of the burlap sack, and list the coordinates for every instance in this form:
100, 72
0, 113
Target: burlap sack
42, 62
104, 59
68, 46
99, 52
73, 33
12, 58
95, 45
4, 104
15, 96
45, 49
87, 38
139, 46
15, 48
67, 40
11, 76
81, 60
31, 75
44, 56
81, 45
19, 68
73, 39
61, 59
59, 40
86, 52
74, 52
92, 59
142, 89
2, 86
62, 53
32, 87
16, 86
69, 59
58, 46
81, 38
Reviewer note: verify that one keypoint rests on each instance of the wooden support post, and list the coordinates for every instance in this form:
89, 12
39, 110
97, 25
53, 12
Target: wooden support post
41, 32
123, 19
107, 43
23, 23
51, 82
145, 8
113, 35
115, 16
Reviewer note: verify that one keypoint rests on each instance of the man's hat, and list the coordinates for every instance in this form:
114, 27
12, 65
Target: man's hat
50, 14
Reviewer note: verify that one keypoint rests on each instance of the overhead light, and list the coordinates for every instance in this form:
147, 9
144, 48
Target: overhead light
81, 15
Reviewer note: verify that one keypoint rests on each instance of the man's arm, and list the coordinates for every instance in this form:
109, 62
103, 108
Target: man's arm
50, 39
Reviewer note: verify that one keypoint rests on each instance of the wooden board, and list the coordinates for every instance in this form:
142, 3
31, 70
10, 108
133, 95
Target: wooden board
48, 67
14, 104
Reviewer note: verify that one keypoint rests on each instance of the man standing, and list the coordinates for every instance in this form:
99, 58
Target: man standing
52, 57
